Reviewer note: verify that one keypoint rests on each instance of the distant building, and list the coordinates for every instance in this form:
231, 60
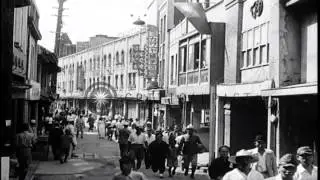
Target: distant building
100, 39
66, 47
82, 45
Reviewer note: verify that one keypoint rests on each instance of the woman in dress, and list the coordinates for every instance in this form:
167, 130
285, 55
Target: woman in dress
101, 128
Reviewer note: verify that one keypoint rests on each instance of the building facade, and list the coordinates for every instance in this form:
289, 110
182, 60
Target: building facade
108, 68
233, 88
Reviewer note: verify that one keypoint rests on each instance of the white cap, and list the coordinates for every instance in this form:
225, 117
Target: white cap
190, 126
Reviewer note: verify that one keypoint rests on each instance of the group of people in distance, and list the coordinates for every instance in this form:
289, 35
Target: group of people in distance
159, 149
260, 163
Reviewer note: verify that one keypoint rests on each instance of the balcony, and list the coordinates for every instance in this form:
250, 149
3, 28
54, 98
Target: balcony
193, 77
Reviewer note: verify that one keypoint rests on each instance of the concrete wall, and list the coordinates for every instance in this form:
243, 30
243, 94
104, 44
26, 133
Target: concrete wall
309, 48
233, 23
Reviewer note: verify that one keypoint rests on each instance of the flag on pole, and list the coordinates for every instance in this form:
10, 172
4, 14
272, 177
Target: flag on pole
195, 13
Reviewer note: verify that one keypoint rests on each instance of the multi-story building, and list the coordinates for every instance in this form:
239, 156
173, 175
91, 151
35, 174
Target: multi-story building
108, 68
82, 45
100, 39
26, 85
247, 77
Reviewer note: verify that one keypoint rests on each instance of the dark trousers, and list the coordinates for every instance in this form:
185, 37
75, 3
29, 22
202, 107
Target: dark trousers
124, 148
137, 153
24, 159
91, 126
81, 131
158, 165
147, 159
55, 151
64, 154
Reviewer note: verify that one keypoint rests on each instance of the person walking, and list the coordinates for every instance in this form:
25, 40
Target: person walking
54, 140
172, 160
74, 139
243, 171
80, 125
124, 134
221, 165
126, 171
266, 165
101, 128
287, 168
109, 130
65, 143
150, 137
306, 170
91, 121
24, 142
190, 144
159, 151
136, 146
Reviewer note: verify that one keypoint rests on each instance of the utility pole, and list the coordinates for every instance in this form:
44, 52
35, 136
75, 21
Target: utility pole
59, 26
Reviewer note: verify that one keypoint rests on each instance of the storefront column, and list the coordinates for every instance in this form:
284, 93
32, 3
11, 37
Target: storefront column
125, 109
138, 111
227, 123
277, 129
219, 136
26, 111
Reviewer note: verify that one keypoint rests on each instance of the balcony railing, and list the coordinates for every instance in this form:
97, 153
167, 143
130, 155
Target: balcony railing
193, 77
204, 75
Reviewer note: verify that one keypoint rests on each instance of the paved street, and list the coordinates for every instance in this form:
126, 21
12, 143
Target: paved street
98, 159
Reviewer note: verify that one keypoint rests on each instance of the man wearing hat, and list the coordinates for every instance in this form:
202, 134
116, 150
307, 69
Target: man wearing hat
243, 171
189, 145
158, 150
306, 170
124, 134
266, 163
287, 167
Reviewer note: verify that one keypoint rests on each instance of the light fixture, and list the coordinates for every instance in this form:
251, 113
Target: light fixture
139, 22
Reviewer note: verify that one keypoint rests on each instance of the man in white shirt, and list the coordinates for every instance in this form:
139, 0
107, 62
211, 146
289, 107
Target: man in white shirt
287, 168
137, 145
243, 160
266, 163
306, 170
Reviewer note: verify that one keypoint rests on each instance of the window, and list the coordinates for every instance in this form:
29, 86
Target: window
105, 60
109, 60
191, 57
204, 63
134, 80
255, 46
117, 58
94, 63
116, 81
161, 30
171, 70
206, 4
130, 55
121, 81
109, 80
183, 59
122, 57
129, 77
104, 79
90, 66
85, 65
94, 83
164, 27
90, 83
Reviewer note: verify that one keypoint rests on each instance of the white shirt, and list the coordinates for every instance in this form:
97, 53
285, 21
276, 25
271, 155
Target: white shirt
236, 174
135, 139
303, 174
165, 137
261, 164
150, 139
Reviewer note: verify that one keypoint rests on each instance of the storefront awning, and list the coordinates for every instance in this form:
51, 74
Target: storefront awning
243, 90
300, 89
195, 13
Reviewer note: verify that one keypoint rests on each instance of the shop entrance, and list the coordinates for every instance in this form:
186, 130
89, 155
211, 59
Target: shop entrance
248, 118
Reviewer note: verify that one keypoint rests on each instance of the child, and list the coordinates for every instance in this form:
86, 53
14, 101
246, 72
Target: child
66, 141
172, 160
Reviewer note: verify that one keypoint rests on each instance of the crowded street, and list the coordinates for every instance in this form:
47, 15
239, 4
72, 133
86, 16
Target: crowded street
96, 159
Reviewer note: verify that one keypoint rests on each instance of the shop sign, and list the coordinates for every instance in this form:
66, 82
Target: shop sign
34, 92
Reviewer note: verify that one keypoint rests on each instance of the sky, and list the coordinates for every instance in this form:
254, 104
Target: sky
87, 18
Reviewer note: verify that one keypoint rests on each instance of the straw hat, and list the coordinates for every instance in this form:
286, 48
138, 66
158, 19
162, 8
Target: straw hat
243, 153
